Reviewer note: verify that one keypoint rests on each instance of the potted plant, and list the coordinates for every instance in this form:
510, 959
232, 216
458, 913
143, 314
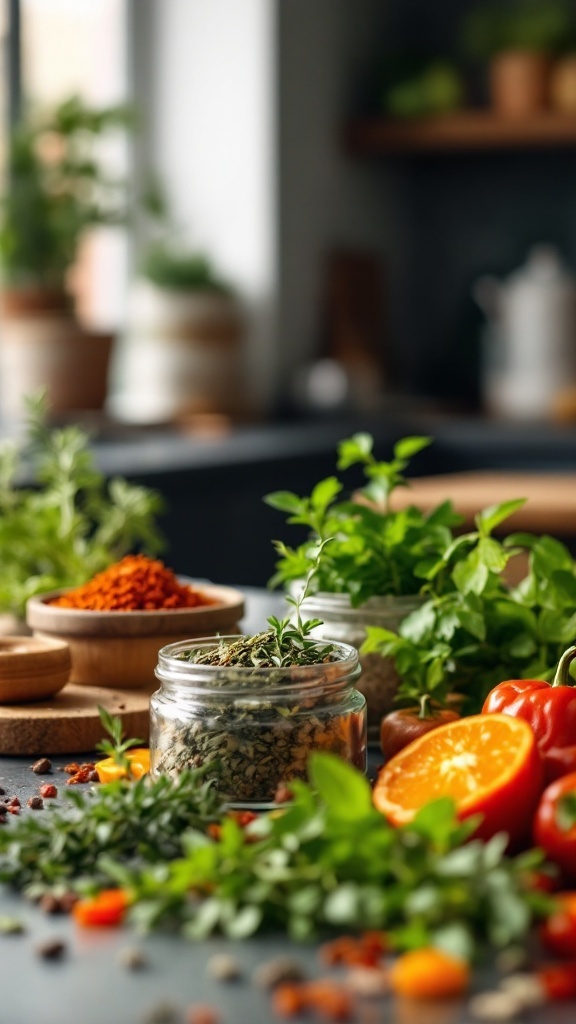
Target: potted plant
519, 40
474, 631
184, 336
57, 189
372, 573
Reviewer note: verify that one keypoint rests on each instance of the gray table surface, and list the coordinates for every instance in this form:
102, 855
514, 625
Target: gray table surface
87, 986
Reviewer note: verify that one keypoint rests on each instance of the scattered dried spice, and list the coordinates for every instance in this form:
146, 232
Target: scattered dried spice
131, 958
278, 970
51, 903
42, 766
80, 773
136, 583
224, 967
2, 791
163, 1013
35, 803
48, 790
52, 949
202, 1015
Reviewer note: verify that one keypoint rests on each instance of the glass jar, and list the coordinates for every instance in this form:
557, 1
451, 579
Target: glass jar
256, 727
341, 621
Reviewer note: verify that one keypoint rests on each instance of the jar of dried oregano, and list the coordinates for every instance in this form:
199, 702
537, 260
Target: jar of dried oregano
253, 728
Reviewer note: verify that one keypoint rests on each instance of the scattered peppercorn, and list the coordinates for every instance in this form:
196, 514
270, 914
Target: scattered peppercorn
224, 967
163, 1013
276, 971
52, 904
36, 803
52, 949
136, 583
131, 958
2, 791
42, 766
48, 790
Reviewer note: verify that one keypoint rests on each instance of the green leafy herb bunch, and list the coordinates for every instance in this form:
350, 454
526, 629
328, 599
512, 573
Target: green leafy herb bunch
375, 550
71, 524
474, 630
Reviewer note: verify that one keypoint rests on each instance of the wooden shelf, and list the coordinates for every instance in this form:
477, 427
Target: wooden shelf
462, 132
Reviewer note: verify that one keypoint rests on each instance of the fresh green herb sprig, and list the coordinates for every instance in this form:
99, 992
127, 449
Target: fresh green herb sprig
474, 631
134, 822
375, 550
73, 524
332, 860
283, 645
117, 747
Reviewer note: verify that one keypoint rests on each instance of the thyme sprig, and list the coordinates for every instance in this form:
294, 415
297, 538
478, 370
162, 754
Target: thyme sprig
288, 642
137, 823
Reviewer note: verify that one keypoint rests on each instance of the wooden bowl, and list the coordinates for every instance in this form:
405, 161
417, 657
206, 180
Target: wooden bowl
120, 649
32, 668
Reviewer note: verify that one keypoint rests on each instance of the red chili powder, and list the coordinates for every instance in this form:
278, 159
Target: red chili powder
136, 583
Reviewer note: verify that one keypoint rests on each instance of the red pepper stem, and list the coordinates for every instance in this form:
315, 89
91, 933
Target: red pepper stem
424, 701
562, 677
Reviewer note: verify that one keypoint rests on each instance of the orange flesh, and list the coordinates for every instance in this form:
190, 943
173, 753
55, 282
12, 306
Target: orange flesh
461, 759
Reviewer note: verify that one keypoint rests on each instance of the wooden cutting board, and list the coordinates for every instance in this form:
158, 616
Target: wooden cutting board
68, 723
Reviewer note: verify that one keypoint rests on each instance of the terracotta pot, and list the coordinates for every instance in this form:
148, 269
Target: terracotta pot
519, 82
42, 346
183, 353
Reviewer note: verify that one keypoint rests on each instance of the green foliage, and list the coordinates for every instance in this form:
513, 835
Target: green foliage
436, 88
72, 524
474, 632
332, 860
137, 822
57, 188
169, 267
374, 550
116, 747
545, 26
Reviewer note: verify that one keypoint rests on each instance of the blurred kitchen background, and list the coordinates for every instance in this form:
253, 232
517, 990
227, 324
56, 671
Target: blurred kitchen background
329, 216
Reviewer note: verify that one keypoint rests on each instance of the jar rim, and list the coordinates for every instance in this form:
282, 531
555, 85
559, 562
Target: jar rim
240, 678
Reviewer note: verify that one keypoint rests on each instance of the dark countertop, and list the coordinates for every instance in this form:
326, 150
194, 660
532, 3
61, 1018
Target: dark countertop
89, 987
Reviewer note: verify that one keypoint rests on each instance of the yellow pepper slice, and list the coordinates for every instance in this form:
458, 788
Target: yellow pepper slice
139, 759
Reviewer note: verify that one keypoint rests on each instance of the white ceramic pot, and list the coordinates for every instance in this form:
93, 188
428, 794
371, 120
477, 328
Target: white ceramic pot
183, 353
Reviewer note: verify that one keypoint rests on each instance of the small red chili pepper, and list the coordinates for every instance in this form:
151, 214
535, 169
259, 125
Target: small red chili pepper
549, 708
107, 909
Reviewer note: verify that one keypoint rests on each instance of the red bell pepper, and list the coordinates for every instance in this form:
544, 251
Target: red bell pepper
549, 708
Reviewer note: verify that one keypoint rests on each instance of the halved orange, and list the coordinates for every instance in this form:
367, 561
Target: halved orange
488, 764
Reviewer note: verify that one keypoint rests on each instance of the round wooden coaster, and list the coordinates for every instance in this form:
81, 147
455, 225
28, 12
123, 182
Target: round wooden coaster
69, 723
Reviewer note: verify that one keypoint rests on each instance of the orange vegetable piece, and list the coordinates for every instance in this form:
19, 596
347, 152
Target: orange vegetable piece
104, 910
488, 764
288, 999
139, 757
328, 1000
429, 974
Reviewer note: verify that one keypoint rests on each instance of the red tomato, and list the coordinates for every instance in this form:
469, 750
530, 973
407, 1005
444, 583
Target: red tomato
558, 933
553, 828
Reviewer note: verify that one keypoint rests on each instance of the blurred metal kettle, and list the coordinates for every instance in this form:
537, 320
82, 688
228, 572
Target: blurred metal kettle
529, 350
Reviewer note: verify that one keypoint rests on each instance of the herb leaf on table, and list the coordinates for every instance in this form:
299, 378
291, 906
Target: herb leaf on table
332, 860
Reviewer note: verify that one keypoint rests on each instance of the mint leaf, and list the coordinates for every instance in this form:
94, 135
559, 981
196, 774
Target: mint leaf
489, 518
355, 449
345, 791
285, 501
410, 446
